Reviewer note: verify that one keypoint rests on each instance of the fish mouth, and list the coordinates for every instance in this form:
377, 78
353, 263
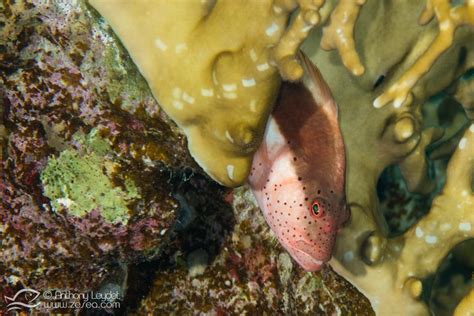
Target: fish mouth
304, 259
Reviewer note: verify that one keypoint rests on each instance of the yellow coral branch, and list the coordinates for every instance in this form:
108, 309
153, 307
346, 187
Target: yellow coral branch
339, 34
398, 265
466, 306
284, 53
414, 167
449, 19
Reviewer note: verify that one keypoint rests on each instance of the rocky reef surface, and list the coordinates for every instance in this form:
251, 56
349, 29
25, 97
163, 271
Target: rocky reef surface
87, 157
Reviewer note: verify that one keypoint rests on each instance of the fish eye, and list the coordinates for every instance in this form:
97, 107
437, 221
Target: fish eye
316, 209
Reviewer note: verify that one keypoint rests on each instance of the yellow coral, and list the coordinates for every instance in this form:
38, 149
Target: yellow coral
401, 263
449, 19
285, 51
466, 306
339, 34
211, 66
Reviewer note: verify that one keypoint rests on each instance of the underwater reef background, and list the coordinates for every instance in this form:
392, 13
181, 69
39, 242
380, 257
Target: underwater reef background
98, 189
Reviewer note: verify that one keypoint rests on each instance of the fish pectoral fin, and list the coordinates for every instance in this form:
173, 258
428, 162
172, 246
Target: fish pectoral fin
314, 81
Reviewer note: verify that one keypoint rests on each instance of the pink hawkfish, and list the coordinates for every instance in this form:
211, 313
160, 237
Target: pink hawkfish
298, 172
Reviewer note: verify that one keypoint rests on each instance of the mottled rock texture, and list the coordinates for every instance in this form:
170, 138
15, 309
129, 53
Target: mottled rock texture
86, 154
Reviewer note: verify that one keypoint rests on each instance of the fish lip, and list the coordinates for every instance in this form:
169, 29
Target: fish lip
315, 264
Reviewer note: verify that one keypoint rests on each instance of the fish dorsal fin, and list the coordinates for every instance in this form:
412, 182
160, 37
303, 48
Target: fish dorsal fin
313, 80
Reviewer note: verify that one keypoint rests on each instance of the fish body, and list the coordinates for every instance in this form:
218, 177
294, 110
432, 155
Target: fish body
298, 172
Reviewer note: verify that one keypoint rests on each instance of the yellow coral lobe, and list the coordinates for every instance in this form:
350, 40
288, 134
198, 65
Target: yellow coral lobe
285, 51
449, 19
339, 34
211, 66
466, 306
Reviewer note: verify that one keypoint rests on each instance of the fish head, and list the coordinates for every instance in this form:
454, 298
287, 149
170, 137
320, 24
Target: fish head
305, 220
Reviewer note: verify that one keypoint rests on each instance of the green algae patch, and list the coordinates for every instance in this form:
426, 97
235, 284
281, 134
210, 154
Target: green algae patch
80, 182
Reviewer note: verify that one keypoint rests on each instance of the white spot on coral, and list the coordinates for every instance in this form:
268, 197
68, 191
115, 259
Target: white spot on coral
407, 134
419, 232
465, 226
214, 77
397, 103
410, 82
207, 92
160, 44
178, 104
230, 95
464, 193
180, 48
430, 239
230, 171
248, 82
229, 87
263, 67
445, 25
253, 106
277, 9
188, 98
253, 55
471, 128
177, 93
348, 256
271, 29
445, 226
227, 135
377, 103
308, 28
65, 202
462, 143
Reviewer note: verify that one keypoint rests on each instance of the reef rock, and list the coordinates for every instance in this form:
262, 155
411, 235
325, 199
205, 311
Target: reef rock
87, 157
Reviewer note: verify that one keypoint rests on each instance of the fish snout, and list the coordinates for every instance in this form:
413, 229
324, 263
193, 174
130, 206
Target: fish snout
309, 255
